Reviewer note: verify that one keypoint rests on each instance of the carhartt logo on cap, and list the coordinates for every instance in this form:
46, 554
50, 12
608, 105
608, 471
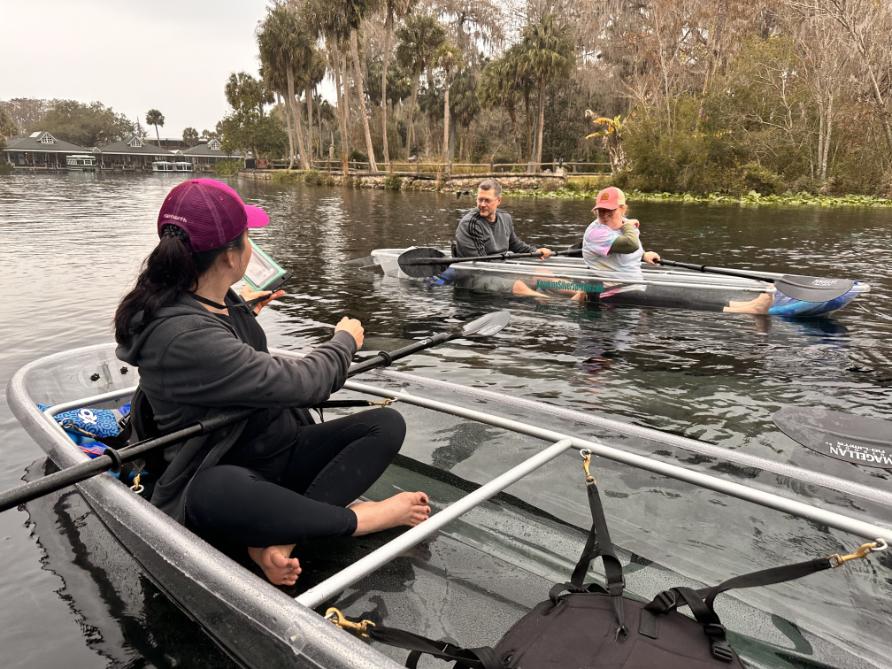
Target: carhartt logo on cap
174, 217
605, 195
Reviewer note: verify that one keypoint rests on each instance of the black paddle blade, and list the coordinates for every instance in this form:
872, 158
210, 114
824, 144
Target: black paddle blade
855, 439
421, 262
573, 251
487, 325
813, 288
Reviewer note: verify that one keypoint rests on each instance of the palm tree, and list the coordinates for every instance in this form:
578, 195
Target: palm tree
393, 9
285, 48
547, 56
448, 58
155, 118
419, 39
610, 131
505, 83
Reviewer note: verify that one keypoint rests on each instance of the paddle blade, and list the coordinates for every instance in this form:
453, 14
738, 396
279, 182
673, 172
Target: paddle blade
421, 262
574, 251
487, 325
855, 439
813, 288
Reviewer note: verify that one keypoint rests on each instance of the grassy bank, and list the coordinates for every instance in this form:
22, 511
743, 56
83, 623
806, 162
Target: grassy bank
585, 188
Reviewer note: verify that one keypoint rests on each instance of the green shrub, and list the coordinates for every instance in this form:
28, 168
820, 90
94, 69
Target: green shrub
227, 168
756, 177
393, 182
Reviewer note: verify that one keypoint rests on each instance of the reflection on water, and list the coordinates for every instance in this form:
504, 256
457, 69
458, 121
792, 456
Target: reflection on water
72, 244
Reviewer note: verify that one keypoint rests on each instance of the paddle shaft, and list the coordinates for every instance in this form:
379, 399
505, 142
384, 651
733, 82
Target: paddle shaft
447, 260
714, 270
384, 359
75, 474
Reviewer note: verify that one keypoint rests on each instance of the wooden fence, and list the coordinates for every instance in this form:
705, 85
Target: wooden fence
438, 170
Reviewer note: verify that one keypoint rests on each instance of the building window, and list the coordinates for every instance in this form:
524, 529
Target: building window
214, 145
136, 143
47, 139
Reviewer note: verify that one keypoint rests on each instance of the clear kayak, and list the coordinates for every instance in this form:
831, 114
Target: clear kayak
657, 286
486, 555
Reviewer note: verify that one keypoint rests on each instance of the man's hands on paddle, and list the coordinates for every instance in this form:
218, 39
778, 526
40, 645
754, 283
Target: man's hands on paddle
354, 327
544, 253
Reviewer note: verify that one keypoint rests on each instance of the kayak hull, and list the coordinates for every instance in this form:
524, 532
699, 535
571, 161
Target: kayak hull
658, 287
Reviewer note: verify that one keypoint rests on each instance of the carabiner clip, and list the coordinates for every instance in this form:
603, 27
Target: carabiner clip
861, 552
360, 629
586, 463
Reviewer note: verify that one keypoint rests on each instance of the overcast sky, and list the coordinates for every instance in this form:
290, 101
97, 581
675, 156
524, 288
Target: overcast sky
131, 55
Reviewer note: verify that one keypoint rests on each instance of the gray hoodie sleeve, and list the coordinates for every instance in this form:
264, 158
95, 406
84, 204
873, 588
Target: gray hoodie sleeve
209, 367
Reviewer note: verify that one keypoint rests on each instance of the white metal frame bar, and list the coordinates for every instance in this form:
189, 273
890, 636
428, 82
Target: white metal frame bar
366, 565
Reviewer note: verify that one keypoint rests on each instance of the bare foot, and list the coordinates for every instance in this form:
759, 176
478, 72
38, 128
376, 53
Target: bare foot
523, 290
760, 305
277, 564
405, 508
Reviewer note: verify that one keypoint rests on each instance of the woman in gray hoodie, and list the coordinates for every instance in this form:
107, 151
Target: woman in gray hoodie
276, 479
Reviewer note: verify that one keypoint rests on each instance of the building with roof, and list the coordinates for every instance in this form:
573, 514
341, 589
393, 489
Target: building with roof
131, 154
205, 155
40, 150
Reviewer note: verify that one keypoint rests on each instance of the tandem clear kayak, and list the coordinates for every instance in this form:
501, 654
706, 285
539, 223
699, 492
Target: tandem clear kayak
502, 472
570, 278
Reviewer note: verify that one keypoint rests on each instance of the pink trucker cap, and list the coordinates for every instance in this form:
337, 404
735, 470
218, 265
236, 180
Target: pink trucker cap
210, 212
610, 198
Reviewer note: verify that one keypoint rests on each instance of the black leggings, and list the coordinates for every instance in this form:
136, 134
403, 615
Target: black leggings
331, 465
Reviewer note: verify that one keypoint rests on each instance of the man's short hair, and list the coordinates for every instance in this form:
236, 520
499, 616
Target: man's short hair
491, 184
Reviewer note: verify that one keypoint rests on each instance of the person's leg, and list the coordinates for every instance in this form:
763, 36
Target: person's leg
522, 290
233, 507
759, 305
337, 461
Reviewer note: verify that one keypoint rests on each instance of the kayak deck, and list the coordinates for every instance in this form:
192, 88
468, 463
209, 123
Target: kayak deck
657, 287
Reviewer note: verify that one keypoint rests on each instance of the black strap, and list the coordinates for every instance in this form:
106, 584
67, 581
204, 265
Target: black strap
770, 576
701, 601
244, 305
599, 544
477, 658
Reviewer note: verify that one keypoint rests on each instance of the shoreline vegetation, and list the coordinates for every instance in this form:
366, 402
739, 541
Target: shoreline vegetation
779, 102
560, 188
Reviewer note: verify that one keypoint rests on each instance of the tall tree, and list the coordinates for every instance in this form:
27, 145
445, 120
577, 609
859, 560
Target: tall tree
448, 59
190, 136
8, 127
868, 23
285, 50
419, 38
155, 118
547, 56
87, 125
393, 10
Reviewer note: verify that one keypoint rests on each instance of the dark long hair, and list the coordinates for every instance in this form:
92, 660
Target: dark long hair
170, 270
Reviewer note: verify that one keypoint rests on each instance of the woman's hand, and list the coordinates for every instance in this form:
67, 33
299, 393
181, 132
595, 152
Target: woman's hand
544, 252
354, 327
651, 257
263, 297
